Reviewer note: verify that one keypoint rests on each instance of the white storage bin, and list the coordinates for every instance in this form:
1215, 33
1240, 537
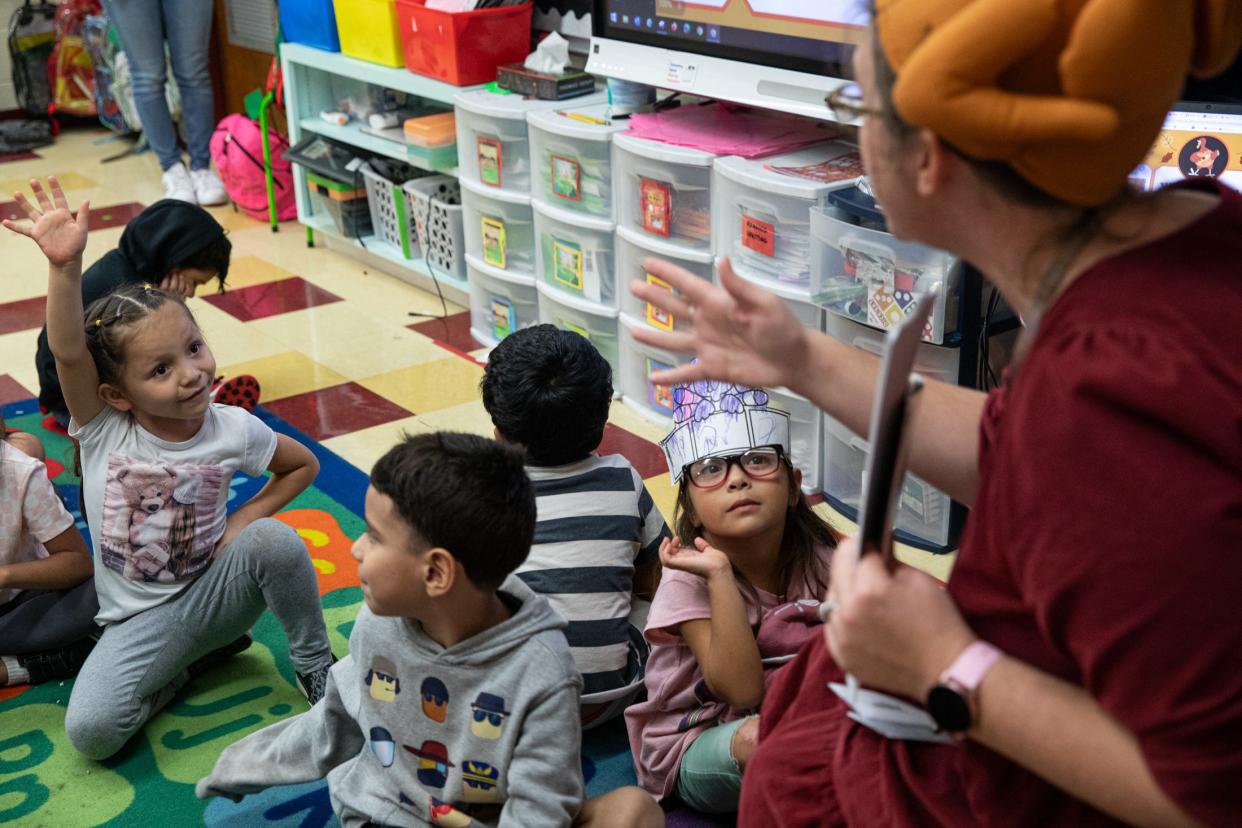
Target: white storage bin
632, 250
500, 302
655, 402
798, 300
435, 203
571, 150
595, 322
922, 511
871, 277
664, 191
935, 362
805, 429
391, 220
574, 254
500, 228
493, 142
763, 216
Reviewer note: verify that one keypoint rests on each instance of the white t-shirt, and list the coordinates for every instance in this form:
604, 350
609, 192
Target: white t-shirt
155, 508
30, 511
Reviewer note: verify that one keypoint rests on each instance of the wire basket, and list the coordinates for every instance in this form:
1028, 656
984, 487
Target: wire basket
434, 204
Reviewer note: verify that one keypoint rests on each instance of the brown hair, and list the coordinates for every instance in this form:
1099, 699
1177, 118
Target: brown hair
804, 533
110, 321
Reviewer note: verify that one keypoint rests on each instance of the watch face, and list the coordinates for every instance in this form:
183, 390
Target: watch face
949, 708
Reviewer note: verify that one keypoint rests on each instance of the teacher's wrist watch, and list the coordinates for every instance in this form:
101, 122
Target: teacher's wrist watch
953, 701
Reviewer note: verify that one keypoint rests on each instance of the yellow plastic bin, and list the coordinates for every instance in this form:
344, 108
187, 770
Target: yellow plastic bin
368, 30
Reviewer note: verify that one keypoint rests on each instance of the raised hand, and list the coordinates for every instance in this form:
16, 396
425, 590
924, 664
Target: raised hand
702, 559
740, 333
60, 235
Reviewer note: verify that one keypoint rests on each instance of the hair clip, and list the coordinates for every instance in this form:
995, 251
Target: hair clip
98, 323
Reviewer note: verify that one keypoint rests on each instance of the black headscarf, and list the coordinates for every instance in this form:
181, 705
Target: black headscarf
165, 237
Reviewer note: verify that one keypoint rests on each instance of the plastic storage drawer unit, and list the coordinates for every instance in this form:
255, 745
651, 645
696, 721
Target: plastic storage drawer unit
869, 276
653, 401
596, 323
923, 512
805, 429
574, 254
572, 155
664, 191
500, 228
632, 251
493, 140
762, 211
500, 302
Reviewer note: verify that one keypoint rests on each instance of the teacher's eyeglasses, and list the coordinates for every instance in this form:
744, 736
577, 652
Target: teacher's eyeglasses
846, 105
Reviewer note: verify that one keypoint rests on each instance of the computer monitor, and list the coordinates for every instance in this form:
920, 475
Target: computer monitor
1199, 140
778, 54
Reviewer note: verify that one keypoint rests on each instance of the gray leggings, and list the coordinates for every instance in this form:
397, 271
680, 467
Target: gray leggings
140, 663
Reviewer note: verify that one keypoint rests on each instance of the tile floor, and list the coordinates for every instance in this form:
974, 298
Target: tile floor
331, 340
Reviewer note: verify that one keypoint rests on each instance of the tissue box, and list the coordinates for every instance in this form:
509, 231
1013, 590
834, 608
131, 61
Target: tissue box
517, 78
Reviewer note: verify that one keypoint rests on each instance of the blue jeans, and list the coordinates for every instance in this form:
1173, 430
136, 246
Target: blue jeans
144, 25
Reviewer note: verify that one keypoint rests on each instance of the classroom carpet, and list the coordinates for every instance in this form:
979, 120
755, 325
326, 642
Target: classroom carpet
43, 780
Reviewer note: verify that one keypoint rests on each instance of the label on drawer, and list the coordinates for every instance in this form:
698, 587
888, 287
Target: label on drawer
758, 235
659, 397
494, 242
504, 317
491, 160
656, 207
578, 329
658, 317
567, 264
566, 178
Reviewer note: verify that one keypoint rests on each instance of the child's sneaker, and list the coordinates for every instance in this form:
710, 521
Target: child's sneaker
315, 683
241, 391
56, 665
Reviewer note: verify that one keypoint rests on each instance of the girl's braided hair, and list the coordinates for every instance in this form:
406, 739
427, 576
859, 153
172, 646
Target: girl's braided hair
110, 321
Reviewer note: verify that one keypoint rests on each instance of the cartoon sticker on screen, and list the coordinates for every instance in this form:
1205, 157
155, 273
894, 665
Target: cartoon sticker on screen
491, 161
1204, 156
151, 515
657, 317
657, 207
567, 264
566, 178
659, 397
494, 243
504, 317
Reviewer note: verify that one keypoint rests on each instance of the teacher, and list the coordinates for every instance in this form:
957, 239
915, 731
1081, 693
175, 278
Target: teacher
1088, 650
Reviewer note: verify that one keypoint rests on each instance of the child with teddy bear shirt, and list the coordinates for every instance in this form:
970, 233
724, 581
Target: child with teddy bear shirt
179, 579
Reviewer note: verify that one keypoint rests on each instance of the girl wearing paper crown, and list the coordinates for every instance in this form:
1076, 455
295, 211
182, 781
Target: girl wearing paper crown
1087, 652
734, 603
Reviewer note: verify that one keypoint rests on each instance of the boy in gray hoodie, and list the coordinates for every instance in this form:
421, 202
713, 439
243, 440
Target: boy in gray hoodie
458, 702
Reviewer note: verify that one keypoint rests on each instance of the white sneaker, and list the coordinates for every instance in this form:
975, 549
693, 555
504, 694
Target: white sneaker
177, 184
208, 188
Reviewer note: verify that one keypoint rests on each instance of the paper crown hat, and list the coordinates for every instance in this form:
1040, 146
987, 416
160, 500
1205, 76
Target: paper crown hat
1070, 93
717, 418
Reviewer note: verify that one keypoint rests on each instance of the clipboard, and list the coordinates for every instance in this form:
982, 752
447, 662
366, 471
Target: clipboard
897, 391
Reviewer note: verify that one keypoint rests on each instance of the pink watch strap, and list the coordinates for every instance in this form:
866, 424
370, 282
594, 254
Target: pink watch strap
969, 668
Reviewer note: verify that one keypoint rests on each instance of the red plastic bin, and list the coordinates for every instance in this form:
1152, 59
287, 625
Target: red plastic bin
463, 48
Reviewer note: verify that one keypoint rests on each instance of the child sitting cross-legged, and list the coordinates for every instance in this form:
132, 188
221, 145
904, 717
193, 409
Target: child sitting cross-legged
599, 532
735, 602
458, 702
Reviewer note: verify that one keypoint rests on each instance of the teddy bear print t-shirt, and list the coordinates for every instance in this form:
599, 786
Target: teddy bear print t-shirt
156, 508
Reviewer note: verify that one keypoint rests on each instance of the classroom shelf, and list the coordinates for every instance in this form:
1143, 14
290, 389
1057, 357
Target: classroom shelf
315, 81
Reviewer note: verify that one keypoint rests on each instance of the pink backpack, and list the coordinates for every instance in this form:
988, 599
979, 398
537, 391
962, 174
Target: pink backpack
237, 150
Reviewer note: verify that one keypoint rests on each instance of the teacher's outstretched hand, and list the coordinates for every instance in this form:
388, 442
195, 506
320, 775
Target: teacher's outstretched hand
739, 332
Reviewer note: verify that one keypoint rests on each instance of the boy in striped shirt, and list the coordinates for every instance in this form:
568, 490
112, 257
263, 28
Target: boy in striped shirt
598, 531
